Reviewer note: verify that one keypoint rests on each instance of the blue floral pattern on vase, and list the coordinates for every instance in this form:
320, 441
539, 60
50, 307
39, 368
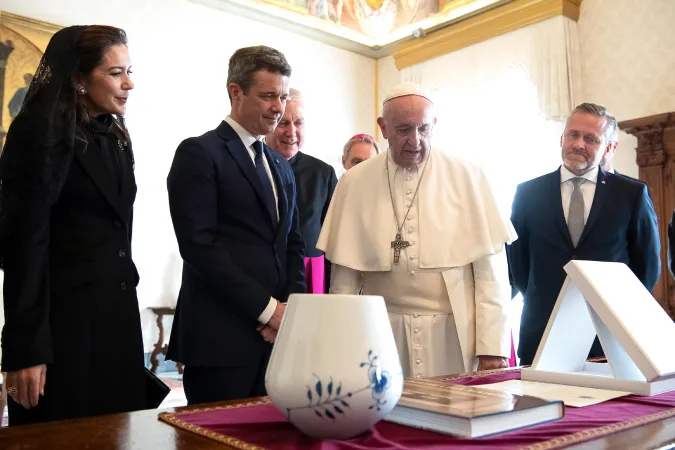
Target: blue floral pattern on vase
380, 381
331, 403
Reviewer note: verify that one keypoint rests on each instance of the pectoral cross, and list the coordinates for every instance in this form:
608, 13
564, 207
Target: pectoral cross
397, 245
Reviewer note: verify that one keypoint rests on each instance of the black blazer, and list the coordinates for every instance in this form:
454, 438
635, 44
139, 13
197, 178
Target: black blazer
621, 227
236, 256
70, 293
316, 182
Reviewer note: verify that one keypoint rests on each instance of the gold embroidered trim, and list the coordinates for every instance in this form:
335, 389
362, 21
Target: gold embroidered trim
173, 419
595, 433
552, 444
479, 374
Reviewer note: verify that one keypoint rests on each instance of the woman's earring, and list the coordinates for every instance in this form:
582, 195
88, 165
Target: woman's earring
81, 90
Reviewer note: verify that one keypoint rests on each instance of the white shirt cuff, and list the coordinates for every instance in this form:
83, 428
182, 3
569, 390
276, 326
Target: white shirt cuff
267, 313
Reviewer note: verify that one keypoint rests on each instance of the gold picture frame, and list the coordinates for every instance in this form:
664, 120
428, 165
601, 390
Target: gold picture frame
23, 40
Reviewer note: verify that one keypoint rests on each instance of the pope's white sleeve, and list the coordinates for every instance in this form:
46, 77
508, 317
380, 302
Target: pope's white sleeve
344, 280
492, 296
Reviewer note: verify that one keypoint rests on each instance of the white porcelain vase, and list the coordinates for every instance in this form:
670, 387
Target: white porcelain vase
334, 370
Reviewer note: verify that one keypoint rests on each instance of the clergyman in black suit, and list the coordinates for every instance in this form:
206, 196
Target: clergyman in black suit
578, 212
316, 182
233, 206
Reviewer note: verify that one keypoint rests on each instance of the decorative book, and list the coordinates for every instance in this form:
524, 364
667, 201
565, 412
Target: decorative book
469, 411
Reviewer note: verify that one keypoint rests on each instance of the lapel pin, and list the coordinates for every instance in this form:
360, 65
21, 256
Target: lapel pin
603, 181
276, 161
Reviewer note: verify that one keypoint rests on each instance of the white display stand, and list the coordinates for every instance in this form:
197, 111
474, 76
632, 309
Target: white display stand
637, 335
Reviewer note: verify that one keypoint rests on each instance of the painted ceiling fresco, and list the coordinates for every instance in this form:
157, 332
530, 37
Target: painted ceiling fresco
375, 22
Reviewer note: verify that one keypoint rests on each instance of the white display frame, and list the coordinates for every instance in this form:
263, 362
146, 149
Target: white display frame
606, 299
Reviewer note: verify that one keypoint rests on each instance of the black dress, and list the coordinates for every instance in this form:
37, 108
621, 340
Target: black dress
70, 289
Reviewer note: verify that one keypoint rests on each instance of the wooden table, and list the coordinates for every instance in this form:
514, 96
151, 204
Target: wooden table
132, 431
143, 431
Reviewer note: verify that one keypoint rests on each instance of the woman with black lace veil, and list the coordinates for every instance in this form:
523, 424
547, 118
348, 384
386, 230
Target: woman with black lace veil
71, 344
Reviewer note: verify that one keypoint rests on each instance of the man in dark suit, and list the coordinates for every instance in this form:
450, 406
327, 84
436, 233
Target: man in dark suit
234, 212
316, 182
578, 212
607, 160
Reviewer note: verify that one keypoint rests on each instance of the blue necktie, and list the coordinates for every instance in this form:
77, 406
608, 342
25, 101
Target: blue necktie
268, 192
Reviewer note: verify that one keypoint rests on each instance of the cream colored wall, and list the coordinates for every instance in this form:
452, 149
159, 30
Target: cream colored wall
180, 52
627, 59
628, 62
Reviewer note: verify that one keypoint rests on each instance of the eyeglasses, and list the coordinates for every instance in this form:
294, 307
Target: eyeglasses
589, 139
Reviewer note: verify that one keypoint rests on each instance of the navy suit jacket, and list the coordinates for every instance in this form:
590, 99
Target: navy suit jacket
235, 255
621, 227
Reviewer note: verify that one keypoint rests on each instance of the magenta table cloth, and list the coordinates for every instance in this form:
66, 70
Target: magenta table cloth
259, 425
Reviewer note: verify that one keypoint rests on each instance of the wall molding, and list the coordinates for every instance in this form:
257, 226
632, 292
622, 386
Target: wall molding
492, 23
36, 31
15, 20
299, 21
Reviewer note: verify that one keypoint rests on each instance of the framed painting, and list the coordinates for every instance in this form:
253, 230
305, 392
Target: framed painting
23, 40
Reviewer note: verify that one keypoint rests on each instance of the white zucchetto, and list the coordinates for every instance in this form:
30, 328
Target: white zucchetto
404, 89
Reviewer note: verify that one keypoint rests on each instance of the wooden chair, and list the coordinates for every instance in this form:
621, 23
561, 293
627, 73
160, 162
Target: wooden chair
160, 347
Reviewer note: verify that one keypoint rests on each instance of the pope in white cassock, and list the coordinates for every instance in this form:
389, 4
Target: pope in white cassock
422, 229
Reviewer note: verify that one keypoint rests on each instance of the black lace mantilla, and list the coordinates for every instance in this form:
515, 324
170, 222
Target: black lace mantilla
40, 141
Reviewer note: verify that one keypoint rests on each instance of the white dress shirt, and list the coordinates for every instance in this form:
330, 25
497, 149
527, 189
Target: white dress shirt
587, 190
248, 139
